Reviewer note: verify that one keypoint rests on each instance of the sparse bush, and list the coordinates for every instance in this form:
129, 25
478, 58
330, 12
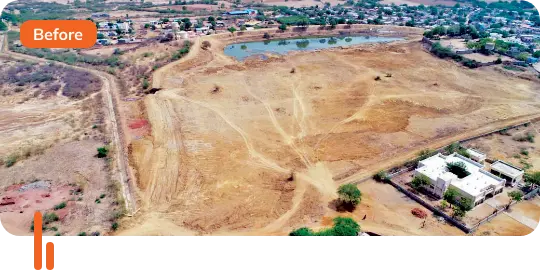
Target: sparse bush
82, 234
378, 78
50, 217
10, 161
145, 84
102, 152
205, 45
381, 176
59, 206
102, 196
524, 152
515, 195
529, 137
115, 226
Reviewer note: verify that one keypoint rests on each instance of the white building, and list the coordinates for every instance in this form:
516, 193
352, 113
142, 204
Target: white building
510, 173
478, 185
476, 155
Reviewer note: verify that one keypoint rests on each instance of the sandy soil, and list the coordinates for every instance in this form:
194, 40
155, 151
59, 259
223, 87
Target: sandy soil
504, 147
388, 212
252, 148
503, 225
107, 50
486, 58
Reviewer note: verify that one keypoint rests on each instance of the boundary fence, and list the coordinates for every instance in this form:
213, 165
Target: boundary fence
410, 165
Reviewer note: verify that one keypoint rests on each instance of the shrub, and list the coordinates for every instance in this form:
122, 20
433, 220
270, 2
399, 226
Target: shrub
10, 161
102, 152
50, 217
283, 27
205, 45
524, 152
82, 234
342, 227
378, 78
381, 176
426, 153
115, 226
516, 195
302, 232
62, 205
266, 36
458, 168
350, 194
102, 196
443, 205
145, 84
419, 181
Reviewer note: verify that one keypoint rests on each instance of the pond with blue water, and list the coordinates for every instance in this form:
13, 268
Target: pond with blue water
242, 50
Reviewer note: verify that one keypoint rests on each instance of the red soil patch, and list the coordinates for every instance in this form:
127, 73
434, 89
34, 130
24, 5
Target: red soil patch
138, 124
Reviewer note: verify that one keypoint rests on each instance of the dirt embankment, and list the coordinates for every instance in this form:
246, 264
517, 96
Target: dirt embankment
259, 147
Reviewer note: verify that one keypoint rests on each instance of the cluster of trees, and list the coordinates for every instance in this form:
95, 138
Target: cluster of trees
342, 227
456, 30
457, 148
444, 52
458, 168
461, 205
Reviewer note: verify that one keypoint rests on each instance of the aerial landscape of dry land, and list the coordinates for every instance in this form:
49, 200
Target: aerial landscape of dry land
229, 139
51, 116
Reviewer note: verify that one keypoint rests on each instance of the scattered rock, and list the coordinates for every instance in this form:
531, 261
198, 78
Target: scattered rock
36, 185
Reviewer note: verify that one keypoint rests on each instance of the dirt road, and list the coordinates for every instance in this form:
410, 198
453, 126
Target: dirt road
260, 147
110, 92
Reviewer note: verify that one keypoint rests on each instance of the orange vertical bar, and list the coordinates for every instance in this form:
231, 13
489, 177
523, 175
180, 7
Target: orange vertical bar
49, 263
38, 225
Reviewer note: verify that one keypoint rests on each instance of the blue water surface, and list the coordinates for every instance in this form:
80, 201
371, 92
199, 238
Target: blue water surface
282, 46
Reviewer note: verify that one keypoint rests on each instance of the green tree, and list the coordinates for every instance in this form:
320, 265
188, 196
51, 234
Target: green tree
515, 195
451, 195
3, 26
302, 232
465, 204
231, 29
522, 56
350, 194
344, 226
102, 152
283, 27
419, 181
533, 179
458, 168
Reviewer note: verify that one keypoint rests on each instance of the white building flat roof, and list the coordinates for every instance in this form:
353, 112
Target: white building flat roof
506, 169
474, 184
475, 153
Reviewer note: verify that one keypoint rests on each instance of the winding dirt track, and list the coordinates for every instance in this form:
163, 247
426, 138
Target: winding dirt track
218, 162
110, 92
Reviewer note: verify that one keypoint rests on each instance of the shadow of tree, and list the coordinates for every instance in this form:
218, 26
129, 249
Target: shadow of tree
341, 206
